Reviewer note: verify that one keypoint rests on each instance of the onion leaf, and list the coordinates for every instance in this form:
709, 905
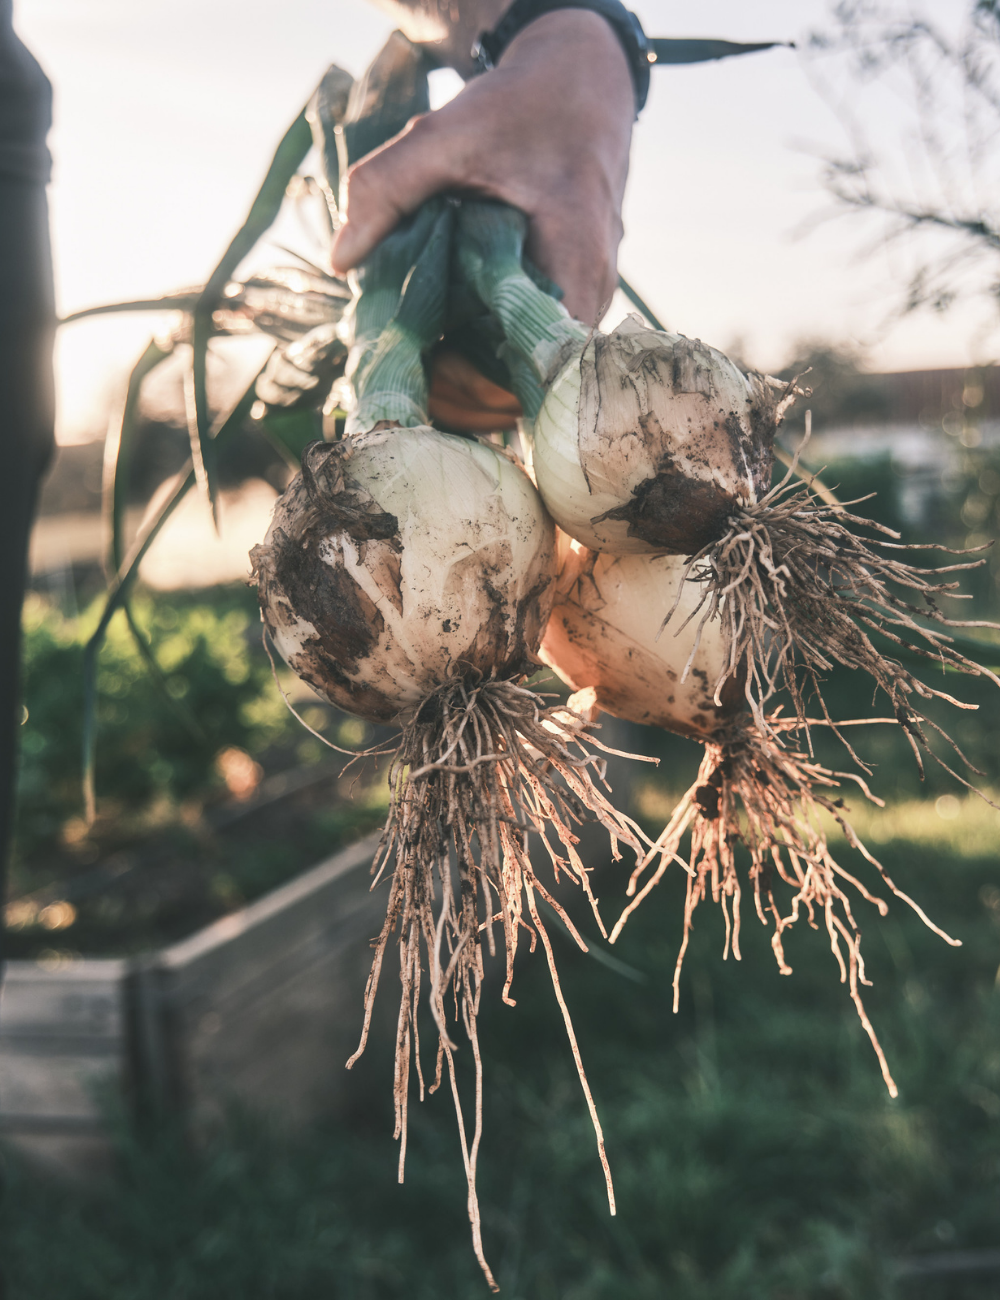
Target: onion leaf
391, 91
681, 50
264, 210
124, 580
118, 450
290, 432
182, 300
633, 297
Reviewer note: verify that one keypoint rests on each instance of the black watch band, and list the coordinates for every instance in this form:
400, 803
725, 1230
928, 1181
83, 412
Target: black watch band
488, 48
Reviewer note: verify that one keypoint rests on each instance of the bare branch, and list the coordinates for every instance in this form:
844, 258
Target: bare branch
932, 176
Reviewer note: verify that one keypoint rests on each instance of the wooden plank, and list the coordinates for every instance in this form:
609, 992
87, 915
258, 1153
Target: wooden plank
80, 1155
21, 1125
56, 1087
264, 1006
62, 1047
285, 1053
244, 956
299, 896
81, 1000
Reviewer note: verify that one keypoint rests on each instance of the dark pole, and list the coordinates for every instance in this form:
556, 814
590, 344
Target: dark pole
27, 322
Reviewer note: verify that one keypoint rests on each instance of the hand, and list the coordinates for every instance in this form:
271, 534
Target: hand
547, 131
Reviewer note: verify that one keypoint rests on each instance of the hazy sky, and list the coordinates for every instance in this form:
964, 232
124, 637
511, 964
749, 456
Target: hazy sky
167, 112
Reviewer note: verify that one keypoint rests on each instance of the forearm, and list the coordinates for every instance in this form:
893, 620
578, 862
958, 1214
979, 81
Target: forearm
449, 27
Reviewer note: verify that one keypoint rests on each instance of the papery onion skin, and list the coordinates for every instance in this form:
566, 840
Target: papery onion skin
401, 557
648, 441
602, 634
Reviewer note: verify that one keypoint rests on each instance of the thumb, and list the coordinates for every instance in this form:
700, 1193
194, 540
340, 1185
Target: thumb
386, 186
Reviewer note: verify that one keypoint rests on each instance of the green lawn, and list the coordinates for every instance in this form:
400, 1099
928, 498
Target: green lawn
755, 1151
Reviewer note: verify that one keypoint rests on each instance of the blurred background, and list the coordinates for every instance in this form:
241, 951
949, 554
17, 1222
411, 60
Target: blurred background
833, 207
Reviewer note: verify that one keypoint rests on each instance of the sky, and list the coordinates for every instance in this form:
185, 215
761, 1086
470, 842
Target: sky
167, 113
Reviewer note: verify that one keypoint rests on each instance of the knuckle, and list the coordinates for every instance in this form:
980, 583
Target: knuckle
359, 178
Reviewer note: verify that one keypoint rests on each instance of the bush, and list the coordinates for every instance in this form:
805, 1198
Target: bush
157, 742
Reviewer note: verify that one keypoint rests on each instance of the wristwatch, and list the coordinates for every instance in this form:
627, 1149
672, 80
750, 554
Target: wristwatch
490, 45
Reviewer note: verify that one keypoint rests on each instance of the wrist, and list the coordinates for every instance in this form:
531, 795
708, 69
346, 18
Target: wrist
577, 51
525, 19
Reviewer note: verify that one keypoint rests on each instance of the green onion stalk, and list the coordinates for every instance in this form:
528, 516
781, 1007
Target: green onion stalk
399, 304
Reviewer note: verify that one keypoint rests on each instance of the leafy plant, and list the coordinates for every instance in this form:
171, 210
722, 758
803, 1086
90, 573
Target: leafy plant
212, 689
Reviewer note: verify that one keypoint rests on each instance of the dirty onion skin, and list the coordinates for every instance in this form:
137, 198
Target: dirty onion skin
407, 576
649, 441
752, 788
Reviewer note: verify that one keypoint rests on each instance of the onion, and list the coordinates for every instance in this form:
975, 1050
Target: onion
603, 635
407, 575
376, 590
752, 788
649, 442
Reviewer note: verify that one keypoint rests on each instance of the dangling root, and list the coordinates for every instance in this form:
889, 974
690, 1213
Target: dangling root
481, 765
753, 790
795, 590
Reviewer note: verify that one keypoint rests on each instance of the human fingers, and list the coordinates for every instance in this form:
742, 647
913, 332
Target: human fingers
547, 131
580, 131
574, 239
388, 185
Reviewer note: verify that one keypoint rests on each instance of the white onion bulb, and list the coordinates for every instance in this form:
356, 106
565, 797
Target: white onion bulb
603, 634
400, 557
646, 442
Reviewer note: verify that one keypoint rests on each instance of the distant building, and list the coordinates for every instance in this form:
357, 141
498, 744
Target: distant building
928, 397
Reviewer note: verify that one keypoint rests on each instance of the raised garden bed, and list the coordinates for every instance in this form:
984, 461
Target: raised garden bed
260, 1008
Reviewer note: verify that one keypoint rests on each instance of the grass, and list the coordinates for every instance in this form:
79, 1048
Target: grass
962, 824
755, 1151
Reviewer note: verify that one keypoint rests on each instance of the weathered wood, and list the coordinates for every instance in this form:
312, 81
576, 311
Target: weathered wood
264, 1006
80, 999
62, 1049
